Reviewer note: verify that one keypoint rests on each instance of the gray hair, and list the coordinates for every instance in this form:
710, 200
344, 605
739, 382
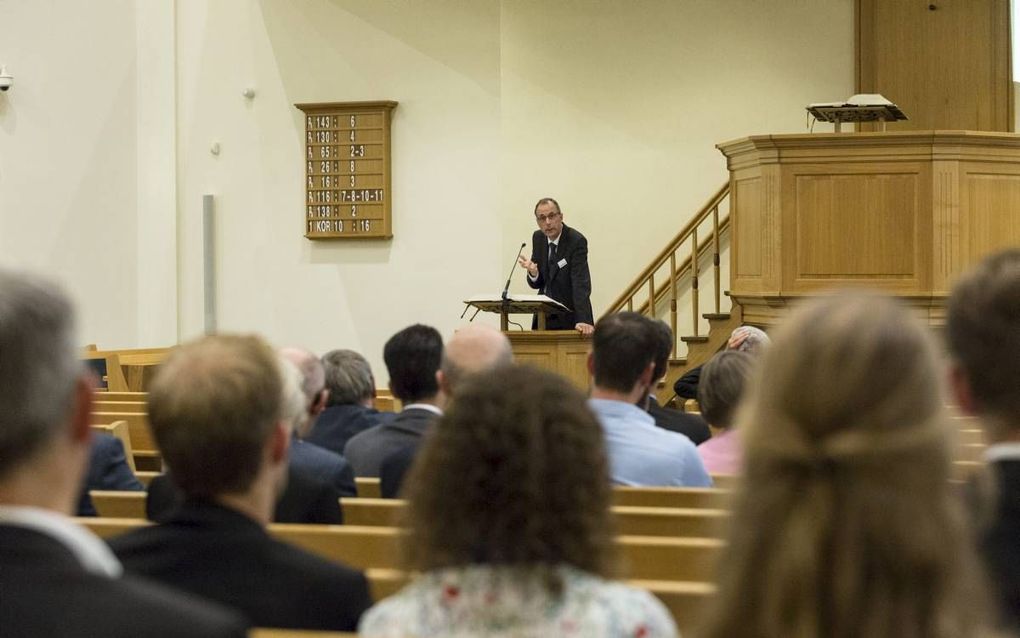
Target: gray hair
754, 342
294, 406
348, 377
313, 373
38, 365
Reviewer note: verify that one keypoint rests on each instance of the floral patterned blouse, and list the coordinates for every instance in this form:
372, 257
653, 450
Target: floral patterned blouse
482, 600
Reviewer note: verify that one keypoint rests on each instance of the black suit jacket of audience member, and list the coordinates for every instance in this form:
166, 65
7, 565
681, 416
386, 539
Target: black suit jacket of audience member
1000, 543
686, 387
304, 500
690, 425
323, 465
221, 555
571, 288
368, 450
108, 470
394, 468
44, 591
337, 424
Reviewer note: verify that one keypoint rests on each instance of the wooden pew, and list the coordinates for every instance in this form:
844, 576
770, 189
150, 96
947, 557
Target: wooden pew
368, 487
130, 397
132, 407
118, 504
725, 481
642, 557
697, 497
146, 477
298, 633
142, 443
640, 521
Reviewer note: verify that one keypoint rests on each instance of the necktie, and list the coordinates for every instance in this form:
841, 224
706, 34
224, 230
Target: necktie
552, 257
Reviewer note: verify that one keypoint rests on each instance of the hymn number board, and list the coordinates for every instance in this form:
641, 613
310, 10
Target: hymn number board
347, 170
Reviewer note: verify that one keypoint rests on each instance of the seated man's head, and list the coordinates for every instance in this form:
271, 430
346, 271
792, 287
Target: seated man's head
217, 412
625, 347
748, 339
349, 379
45, 396
983, 329
723, 381
412, 358
313, 383
472, 349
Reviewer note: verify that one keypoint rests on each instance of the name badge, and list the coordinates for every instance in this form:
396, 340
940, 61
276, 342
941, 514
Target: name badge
562, 263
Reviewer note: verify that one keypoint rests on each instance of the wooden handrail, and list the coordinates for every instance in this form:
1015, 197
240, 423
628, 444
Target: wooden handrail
627, 298
677, 272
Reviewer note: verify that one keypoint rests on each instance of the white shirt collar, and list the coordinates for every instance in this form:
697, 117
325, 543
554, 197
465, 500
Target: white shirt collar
424, 406
556, 242
93, 554
1003, 451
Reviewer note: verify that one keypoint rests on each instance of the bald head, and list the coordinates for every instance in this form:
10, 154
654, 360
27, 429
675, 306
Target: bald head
472, 349
313, 378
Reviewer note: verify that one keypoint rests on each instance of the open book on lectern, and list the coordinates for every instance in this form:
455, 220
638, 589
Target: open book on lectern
515, 299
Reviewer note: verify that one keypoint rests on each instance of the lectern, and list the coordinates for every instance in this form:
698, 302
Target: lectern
539, 305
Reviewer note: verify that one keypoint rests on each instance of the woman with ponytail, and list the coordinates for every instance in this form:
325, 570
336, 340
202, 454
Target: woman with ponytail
846, 524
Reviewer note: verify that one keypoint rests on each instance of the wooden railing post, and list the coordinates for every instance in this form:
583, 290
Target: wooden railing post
694, 278
672, 300
651, 295
715, 254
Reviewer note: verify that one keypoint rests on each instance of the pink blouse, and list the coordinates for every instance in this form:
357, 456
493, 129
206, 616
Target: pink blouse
722, 454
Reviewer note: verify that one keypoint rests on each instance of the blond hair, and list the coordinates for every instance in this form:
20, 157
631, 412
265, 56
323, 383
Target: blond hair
845, 524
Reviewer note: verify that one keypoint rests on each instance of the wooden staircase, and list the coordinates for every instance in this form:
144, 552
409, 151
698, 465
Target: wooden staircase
681, 269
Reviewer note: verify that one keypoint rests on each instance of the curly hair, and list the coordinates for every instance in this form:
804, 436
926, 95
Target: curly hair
513, 474
846, 524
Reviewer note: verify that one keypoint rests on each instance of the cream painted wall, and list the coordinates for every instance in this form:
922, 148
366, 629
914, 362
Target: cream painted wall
439, 60
612, 107
615, 108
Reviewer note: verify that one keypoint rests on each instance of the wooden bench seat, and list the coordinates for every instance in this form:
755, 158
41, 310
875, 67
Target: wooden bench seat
694, 497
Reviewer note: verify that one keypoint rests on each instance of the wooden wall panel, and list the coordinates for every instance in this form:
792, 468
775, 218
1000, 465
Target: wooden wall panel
947, 67
748, 229
992, 214
856, 226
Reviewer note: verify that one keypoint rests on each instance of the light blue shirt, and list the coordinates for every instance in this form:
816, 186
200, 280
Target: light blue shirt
642, 454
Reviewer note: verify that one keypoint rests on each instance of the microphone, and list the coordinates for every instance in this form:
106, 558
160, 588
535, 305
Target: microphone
506, 288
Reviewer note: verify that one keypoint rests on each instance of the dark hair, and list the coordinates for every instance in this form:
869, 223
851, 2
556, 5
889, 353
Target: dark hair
664, 343
412, 357
514, 473
623, 345
548, 200
983, 330
721, 386
212, 407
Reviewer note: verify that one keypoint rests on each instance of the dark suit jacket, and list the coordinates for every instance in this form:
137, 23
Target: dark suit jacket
1000, 543
570, 285
323, 465
223, 556
304, 500
44, 591
338, 423
690, 425
368, 450
394, 468
108, 470
686, 387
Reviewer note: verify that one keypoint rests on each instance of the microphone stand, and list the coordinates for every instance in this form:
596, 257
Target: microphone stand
505, 309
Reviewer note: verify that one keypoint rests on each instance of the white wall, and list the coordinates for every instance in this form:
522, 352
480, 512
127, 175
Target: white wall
614, 108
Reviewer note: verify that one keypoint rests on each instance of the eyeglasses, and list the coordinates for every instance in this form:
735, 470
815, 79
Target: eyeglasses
541, 219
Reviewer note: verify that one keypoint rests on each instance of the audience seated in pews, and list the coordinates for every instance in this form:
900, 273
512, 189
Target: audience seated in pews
744, 339
219, 412
690, 425
472, 349
56, 578
108, 469
509, 522
349, 406
983, 329
412, 358
723, 380
314, 484
845, 524
622, 364
310, 459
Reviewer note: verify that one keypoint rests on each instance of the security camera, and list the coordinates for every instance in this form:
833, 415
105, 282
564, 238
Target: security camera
6, 79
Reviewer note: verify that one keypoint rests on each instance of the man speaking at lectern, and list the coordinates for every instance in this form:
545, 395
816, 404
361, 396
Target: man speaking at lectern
558, 268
